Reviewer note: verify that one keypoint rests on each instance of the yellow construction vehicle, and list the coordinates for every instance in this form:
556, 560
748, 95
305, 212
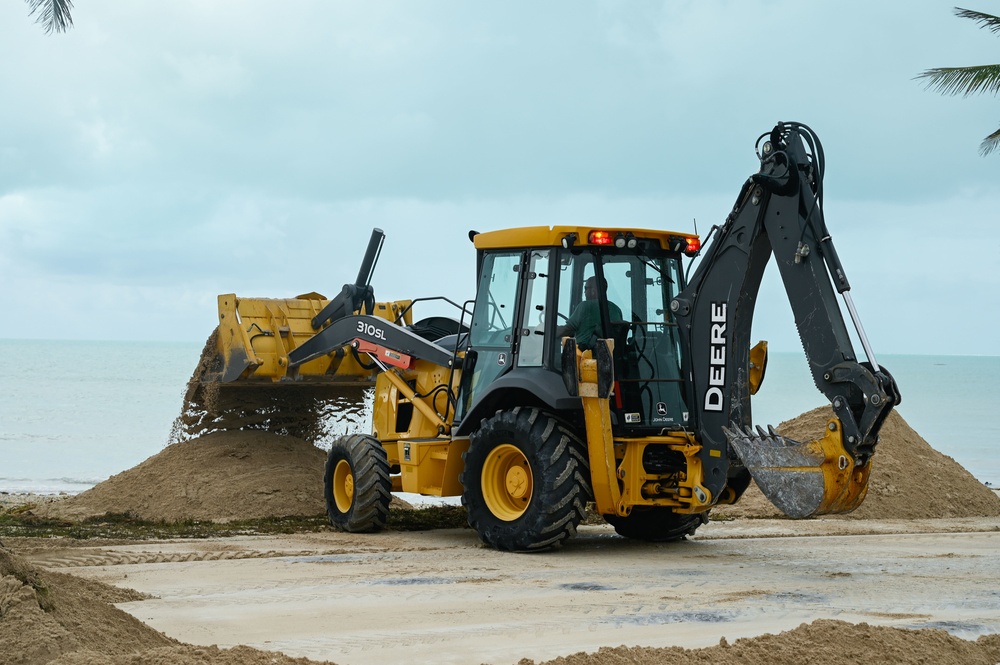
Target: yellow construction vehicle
591, 368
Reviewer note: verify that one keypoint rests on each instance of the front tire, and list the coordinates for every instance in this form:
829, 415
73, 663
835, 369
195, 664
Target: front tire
656, 525
356, 485
525, 481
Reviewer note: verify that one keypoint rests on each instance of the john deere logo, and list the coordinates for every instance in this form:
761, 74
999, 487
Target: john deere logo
717, 358
502, 359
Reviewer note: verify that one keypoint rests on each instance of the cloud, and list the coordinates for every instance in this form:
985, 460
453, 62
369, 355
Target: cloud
166, 153
207, 75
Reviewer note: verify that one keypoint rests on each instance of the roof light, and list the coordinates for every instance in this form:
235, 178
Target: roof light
693, 246
600, 238
623, 240
569, 240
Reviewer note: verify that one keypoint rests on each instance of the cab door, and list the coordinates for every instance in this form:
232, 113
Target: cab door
495, 325
532, 334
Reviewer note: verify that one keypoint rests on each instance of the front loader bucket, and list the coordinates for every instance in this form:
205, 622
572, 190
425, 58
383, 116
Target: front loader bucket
244, 379
256, 335
803, 479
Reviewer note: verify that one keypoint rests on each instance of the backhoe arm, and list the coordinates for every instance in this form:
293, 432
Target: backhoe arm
779, 212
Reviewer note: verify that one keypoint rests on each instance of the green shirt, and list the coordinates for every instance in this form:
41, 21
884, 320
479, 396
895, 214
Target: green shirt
585, 321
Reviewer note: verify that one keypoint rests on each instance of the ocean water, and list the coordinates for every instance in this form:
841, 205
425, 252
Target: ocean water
73, 414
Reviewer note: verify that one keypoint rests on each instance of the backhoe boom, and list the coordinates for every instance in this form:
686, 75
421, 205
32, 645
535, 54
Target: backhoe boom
779, 212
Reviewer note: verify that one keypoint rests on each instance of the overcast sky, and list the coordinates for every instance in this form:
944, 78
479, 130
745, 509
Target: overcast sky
159, 154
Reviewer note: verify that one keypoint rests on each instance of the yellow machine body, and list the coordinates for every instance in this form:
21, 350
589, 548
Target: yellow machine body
618, 477
412, 418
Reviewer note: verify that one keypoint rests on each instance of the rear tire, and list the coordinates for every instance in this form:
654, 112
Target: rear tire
356, 485
525, 481
655, 524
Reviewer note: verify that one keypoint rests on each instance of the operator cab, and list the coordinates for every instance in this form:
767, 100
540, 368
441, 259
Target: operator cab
580, 283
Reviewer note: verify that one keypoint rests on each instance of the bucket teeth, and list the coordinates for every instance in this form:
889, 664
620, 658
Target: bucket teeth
801, 479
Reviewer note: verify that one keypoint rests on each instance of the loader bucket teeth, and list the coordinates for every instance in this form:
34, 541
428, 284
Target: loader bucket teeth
802, 479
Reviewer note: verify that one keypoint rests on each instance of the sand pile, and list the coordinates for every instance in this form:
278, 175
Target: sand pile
822, 642
44, 616
909, 479
252, 474
220, 476
55, 618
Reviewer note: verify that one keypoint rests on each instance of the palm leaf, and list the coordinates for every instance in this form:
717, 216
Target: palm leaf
53, 14
990, 143
988, 21
963, 80
967, 81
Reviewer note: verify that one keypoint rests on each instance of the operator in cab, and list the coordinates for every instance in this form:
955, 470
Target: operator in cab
585, 322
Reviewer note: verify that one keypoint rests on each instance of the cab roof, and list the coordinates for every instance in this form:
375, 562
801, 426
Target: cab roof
553, 236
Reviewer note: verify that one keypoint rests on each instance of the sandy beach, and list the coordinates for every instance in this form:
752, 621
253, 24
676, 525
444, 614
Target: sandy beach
905, 578
440, 596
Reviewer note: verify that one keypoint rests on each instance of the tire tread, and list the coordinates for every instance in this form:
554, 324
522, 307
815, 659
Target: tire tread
561, 489
369, 511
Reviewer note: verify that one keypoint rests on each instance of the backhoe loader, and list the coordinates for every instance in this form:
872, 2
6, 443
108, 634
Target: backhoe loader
589, 368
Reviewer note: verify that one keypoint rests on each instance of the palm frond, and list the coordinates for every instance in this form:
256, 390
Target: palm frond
967, 81
988, 21
52, 14
963, 80
990, 143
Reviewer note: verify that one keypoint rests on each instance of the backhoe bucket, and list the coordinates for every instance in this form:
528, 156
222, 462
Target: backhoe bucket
803, 479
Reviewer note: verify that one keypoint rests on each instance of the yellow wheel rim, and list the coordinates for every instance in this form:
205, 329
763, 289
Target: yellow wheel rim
343, 486
507, 482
